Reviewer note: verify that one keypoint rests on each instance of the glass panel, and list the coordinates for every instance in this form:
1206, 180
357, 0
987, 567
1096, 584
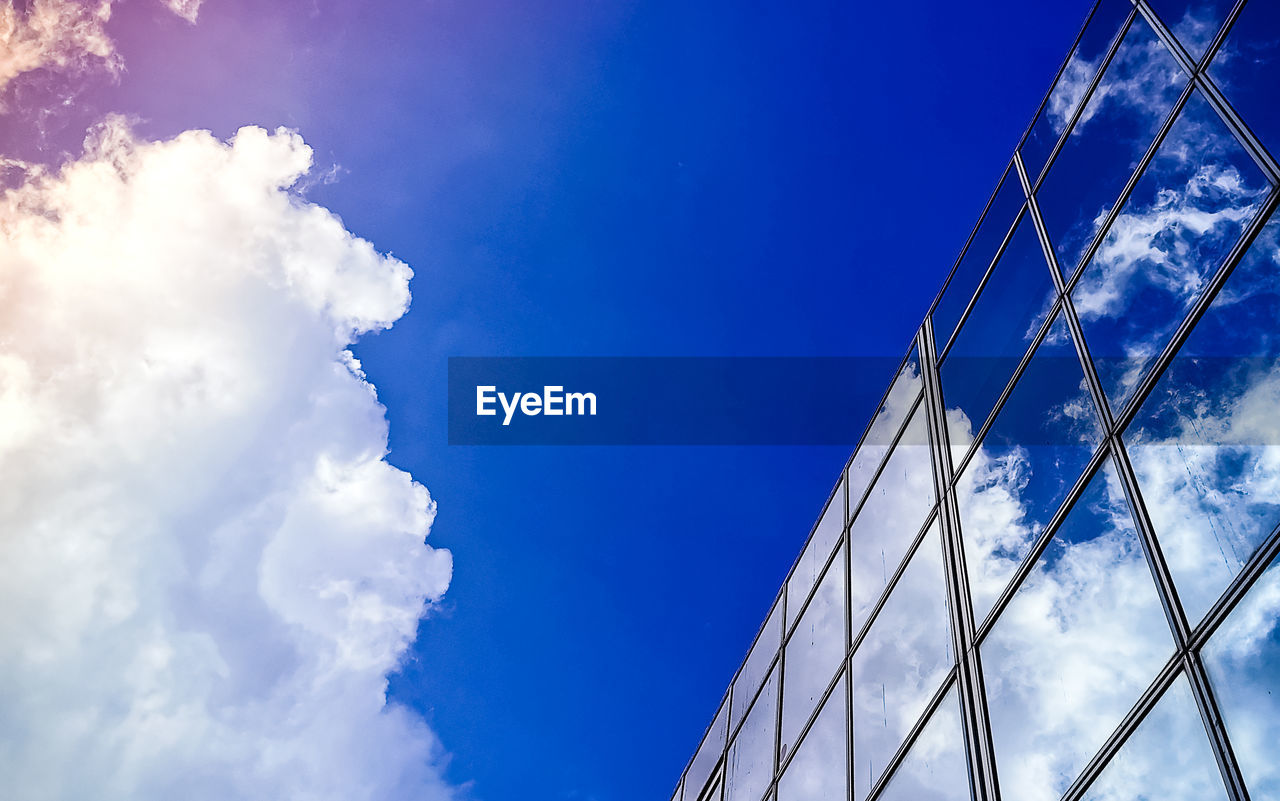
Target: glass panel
1206, 443
1135, 96
1247, 69
709, 753
1010, 311
1186, 212
934, 769
1082, 638
901, 663
893, 413
810, 564
1037, 447
820, 769
1243, 660
890, 518
679, 793
1070, 87
1168, 757
750, 766
813, 653
1193, 22
987, 239
766, 646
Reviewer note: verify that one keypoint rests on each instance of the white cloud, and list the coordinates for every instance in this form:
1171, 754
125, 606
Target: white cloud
63, 34
208, 567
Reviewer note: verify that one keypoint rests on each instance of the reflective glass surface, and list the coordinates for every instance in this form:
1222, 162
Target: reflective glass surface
1036, 449
757, 662
934, 769
709, 753
1186, 212
900, 663
1243, 660
889, 418
813, 653
1072, 84
1081, 639
1193, 22
1118, 124
1168, 757
987, 239
891, 517
1248, 67
820, 769
1206, 443
814, 558
1008, 315
749, 769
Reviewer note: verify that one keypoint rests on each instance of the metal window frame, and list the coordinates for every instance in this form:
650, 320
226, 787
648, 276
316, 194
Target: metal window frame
966, 674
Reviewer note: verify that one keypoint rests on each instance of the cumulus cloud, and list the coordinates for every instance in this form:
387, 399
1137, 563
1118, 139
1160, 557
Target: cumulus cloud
209, 568
63, 34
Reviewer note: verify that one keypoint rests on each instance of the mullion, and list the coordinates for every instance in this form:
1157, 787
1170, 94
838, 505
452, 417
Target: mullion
974, 719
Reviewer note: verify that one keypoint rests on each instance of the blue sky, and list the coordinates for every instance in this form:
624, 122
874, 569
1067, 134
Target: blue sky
611, 179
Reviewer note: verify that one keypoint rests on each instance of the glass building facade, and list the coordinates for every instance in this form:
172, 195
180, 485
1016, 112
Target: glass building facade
1051, 569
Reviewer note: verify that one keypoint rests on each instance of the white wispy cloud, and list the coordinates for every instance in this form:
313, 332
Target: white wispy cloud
63, 34
207, 567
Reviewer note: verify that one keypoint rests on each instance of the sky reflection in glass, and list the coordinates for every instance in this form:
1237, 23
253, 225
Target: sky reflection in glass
900, 663
1168, 757
1036, 449
1247, 69
1243, 660
1009, 313
1185, 214
813, 653
934, 769
750, 765
1118, 124
1205, 444
820, 769
1070, 87
1074, 649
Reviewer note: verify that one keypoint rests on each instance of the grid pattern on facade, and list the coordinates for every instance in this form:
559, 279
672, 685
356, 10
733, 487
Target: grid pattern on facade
1051, 569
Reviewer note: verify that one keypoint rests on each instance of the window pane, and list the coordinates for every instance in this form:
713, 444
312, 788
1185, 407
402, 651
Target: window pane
709, 753
1193, 22
1168, 757
816, 553
901, 663
757, 662
891, 517
990, 234
898, 403
934, 769
813, 653
1248, 68
1186, 212
1009, 313
820, 769
1206, 443
750, 766
1118, 124
1036, 449
1243, 660
1070, 87
1082, 638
